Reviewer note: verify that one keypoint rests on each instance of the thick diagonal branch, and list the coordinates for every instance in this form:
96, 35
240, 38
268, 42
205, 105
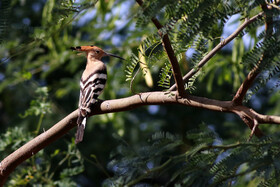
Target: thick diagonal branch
171, 56
150, 98
193, 71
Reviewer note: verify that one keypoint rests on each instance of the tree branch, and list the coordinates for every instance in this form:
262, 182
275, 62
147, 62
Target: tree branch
171, 56
241, 92
35, 145
193, 71
117, 105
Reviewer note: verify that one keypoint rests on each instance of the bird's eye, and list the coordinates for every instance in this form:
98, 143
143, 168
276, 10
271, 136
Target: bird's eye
97, 51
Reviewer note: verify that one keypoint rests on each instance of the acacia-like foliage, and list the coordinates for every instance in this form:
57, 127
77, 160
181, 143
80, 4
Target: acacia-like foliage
198, 25
168, 160
39, 170
4, 19
189, 39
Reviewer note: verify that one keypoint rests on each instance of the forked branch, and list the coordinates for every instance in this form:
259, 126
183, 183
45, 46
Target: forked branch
149, 98
249, 116
216, 49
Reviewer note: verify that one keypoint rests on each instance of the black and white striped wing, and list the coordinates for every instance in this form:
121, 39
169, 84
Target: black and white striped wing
90, 90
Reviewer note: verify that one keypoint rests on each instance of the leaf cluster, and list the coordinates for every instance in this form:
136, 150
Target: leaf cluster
264, 57
40, 105
194, 25
38, 55
52, 167
168, 160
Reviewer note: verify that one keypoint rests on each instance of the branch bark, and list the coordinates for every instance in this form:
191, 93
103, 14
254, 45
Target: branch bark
117, 105
35, 145
171, 56
193, 71
248, 115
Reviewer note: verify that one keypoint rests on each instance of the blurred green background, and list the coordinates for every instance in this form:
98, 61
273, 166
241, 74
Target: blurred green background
39, 86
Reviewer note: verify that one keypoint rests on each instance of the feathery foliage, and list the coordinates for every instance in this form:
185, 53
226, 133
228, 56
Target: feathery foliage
35, 55
4, 19
165, 76
39, 170
154, 55
168, 160
195, 23
264, 57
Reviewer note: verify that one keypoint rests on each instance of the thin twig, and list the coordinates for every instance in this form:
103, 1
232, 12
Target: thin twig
273, 5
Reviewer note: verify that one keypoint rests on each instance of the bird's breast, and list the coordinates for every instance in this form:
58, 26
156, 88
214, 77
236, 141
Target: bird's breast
93, 68
94, 75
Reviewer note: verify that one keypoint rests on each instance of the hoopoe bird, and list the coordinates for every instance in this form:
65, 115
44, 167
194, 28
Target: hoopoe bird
92, 84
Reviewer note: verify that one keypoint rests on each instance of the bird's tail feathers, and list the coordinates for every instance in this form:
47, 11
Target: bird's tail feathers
80, 129
80, 119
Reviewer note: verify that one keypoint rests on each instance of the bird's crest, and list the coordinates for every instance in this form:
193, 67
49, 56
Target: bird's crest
91, 48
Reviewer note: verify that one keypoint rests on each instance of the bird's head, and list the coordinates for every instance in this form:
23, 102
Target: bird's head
94, 52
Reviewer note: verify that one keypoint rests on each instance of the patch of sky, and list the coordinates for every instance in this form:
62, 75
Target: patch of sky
85, 18
42, 83
5, 60
143, 126
120, 170
190, 52
242, 168
45, 67
249, 41
222, 156
230, 26
153, 109
2, 77
120, 23
256, 102
230, 117
116, 40
108, 16
122, 10
154, 125
26, 21
36, 7
150, 165
122, 91
273, 84
217, 140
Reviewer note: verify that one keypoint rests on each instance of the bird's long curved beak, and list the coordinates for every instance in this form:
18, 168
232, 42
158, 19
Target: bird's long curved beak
109, 54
